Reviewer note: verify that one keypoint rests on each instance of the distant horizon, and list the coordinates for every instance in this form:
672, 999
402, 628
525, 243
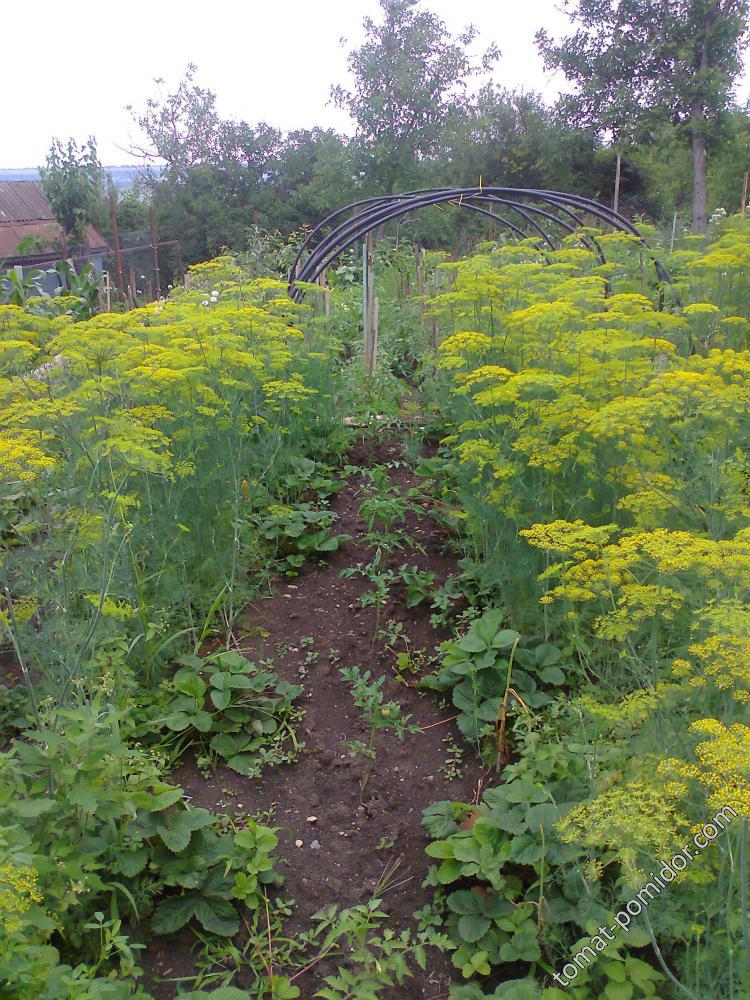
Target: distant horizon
249, 74
105, 167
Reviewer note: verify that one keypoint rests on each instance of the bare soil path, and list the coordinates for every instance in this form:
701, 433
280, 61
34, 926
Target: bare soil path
311, 627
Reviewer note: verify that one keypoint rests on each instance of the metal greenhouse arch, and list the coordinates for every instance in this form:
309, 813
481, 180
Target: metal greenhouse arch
531, 209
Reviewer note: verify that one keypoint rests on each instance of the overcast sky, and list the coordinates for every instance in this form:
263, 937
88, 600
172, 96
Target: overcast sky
70, 70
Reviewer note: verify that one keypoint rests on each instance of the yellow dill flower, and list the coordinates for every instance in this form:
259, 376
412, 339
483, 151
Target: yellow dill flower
723, 767
111, 607
18, 890
633, 815
468, 342
566, 537
21, 459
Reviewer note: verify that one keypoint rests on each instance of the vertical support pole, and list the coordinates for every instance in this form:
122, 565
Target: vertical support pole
674, 232
369, 303
743, 207
491, 225
154, 250
365, 296
116, 241
180, 262
434, 335
618, 174
373, 362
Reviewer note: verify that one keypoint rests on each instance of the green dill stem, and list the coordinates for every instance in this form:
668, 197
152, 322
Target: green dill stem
660, 958
744, 899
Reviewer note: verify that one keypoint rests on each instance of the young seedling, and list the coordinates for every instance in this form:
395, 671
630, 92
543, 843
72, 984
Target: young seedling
369, 697
381, 580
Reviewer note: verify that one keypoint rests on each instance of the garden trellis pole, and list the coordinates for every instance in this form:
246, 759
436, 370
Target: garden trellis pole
154, 250
618, 175
116, 242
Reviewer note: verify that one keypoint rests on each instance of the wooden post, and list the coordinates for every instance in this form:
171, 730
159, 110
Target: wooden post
154, 250
323, 282
434, 337
674, 231
108, 291
179, 261
743, 207
618, 174
116, 242
373, 359
369, 303
365, 294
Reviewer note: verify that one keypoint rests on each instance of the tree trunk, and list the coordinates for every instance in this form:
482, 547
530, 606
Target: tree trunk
700, 190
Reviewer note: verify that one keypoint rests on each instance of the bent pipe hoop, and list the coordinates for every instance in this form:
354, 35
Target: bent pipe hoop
337, 233
374, 214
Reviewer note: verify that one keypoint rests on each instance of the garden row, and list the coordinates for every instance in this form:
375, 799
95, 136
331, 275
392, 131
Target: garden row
595, 469
159, 468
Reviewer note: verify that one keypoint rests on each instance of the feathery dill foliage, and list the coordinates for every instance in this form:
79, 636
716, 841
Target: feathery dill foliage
597, 471
143, 446
140, 455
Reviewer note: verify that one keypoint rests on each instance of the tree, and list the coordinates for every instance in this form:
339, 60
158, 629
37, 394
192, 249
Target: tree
514, 140
410, 76
638, 64
182, 129
73, 182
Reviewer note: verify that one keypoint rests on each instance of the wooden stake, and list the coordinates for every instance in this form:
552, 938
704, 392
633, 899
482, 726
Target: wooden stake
674, 230
180, 262
434, 337
618, 174
154, 250
743, 207
369, 302
116, 242
374, 339
323, 282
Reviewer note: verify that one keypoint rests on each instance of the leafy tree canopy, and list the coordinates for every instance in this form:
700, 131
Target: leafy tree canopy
636, 64
409, 76
73, 182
